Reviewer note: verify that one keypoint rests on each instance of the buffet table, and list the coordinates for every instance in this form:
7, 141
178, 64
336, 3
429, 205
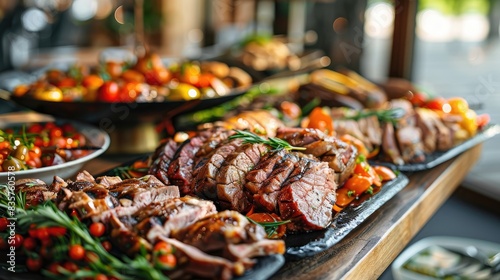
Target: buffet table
370, 248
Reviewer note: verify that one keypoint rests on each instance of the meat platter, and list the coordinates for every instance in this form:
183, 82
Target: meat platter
304, 245
437, 158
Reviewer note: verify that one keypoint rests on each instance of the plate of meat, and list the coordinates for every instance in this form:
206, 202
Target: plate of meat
292, 174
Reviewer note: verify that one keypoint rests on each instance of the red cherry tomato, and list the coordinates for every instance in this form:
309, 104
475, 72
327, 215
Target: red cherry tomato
29, 243
438, 104
92, 81
34, 264
418, 99
97, 229
3, 224
109, 92
17, 241
76, 252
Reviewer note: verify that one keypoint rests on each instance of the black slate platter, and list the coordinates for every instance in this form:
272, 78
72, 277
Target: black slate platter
308, 244
437, 158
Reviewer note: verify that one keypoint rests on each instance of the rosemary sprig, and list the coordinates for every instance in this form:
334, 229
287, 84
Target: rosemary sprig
390, 115
273, 142
269, 227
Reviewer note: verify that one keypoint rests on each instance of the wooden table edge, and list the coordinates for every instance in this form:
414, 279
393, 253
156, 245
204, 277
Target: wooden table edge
374, 263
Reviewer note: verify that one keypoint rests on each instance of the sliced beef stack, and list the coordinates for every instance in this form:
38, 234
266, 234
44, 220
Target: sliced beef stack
408, 139
238, 176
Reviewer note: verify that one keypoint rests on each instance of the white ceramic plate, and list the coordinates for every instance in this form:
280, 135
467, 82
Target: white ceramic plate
400, 273
95, 137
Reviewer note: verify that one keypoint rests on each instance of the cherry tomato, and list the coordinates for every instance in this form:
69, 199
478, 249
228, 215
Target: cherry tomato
56, 231
163, 247
344, 197
269, 217
418, 99
385, 173
321, 120
55, 132
101, 277
114, 69
29, 243
107, 245
469, 122
290, 109
358, 184
66, 82
3, 224
482, 120
167, 261
20, 90
17, 241
438, 104
34, 264
43, 233
76, 252
131, 75
97, 229
109, 92
129, 92
458, 105
92, 82
3, 244
35, 128
50, 93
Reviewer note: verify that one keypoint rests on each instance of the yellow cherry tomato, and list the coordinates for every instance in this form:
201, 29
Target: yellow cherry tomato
469, 122
49, 93
458, 105
184, 91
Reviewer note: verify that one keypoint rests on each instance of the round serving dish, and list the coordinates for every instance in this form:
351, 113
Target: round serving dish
95, 138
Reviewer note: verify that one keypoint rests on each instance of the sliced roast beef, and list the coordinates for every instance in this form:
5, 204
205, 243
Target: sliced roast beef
216, 231
108, 180
266, 197
370, 126
389, 145
161, 159
162, 218
196, 262
204, 184
308, 197
410, 144
231, 177
180, 171
259, 248
425, 121
340, 156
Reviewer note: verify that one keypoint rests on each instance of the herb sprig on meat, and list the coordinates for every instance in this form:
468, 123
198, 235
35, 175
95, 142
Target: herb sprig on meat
273, 142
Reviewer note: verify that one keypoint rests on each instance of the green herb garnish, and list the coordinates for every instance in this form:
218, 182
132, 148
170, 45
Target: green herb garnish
273, 142
269, 227
391, 115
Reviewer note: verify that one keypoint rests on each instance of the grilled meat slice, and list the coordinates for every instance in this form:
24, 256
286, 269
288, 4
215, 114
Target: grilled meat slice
36, 190
204, 184
161, 159
410, 144
257, 249
370, 126
85, 177
340, 156
214, 232
180, 171
308, 196
201, 265
425, 121
218, 136
266, 191
231, 177
108, 181
161, 218
389, 145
